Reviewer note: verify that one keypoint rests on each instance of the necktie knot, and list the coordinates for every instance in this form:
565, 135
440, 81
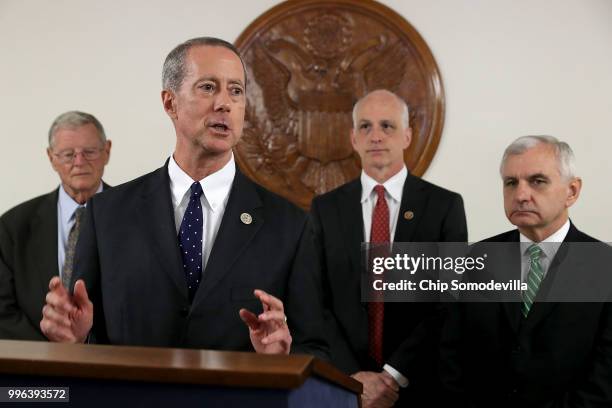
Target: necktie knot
196, 190
380, 191
78, 214
534, 252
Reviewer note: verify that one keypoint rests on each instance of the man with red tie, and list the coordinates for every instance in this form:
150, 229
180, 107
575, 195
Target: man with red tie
389, 347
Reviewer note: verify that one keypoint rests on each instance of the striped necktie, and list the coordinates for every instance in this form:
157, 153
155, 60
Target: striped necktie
534, 278
73, 237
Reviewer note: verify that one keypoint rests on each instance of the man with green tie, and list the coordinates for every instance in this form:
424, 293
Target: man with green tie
534, 352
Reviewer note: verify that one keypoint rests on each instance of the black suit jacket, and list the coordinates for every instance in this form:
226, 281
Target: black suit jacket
409, 328
28, 260
559, 356
129, 257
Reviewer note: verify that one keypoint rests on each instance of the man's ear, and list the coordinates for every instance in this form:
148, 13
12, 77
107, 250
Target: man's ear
168, 101
107, 149
353, 139
408, 134
50, 156
573, 191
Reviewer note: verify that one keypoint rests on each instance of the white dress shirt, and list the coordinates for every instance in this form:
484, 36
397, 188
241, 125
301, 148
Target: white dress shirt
66, 207
394, 188
216, 188
549, 247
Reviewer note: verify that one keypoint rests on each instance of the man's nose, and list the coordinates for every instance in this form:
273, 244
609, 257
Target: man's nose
376, 135
79, 159
523, 192
223, 102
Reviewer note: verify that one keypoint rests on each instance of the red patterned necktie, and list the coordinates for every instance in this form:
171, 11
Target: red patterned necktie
376, 310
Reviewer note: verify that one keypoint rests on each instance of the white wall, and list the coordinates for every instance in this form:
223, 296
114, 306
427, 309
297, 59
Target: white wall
510, 67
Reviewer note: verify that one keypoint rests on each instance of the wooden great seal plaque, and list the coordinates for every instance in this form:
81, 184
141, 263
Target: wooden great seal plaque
308, 62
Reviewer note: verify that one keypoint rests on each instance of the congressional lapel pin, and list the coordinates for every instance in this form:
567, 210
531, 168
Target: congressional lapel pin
246, 218
408, 215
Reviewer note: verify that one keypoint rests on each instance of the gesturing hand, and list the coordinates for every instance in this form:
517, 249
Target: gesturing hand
269, 332
67, 319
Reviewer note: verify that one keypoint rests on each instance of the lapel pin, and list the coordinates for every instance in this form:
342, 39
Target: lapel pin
246, 218
408, 215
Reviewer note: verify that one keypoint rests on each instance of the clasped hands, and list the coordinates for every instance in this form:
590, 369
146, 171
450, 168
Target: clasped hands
380, 390
69, 318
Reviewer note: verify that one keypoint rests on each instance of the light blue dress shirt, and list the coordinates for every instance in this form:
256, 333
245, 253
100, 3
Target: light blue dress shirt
66, 207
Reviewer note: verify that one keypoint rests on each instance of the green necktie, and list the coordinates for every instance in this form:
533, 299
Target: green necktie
534, 278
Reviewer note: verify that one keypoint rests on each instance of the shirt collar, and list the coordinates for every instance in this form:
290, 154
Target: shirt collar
394, 186
550, 245
67, 205
216, 186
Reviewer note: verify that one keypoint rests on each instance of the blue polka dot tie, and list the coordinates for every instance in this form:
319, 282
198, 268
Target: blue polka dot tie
190, 240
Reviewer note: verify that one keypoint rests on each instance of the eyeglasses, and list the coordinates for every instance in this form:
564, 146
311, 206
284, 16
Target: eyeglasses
68, 156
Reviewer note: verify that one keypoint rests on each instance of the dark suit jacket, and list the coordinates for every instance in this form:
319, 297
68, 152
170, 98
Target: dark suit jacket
129, 257
408, 327
28, 260
559, 356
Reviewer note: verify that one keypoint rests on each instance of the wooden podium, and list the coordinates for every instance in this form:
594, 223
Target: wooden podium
145, 376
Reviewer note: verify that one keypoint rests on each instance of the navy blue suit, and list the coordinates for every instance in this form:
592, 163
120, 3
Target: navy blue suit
559, 356
129, 257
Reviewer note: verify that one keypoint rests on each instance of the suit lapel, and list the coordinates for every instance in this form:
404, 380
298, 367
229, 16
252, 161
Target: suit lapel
44, 230
234, 234
542, 308
512, 310
157, 218
351, 222
413, 200
350, 217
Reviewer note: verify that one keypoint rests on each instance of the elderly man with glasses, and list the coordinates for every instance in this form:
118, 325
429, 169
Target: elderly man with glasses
38, 237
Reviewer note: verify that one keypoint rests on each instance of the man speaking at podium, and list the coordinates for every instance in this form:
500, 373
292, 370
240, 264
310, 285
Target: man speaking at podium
189, 254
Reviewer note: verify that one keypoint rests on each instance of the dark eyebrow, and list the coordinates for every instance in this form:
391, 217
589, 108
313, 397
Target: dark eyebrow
216, 80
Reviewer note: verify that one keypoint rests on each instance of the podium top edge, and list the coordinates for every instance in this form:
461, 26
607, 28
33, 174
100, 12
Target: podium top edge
166, 365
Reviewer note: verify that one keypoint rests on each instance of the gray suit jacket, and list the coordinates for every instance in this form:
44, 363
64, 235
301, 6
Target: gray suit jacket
28, 260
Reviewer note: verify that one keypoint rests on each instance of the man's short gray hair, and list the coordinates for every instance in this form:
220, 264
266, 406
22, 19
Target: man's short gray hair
173, 72
563, 153
403, 104
73, 120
